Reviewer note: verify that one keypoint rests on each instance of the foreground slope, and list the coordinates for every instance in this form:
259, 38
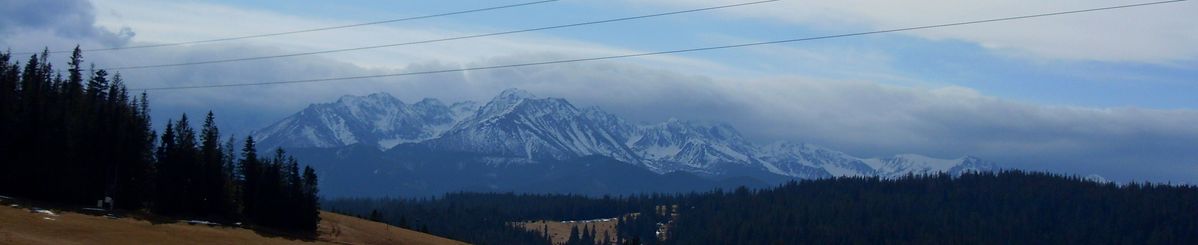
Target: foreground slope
20, 226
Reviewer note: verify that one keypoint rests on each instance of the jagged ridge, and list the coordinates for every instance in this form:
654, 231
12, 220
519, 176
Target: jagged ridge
521, 127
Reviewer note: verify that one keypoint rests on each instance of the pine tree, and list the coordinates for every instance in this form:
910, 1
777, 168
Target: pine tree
188, 163
251, 169
97, 86
311, 202
165, 201
376, 216
588, 235
232, 176
74, 85
212, 177
9, 168
575, 237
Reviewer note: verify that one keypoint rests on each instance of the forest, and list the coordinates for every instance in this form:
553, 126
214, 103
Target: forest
1010, 207
80, 138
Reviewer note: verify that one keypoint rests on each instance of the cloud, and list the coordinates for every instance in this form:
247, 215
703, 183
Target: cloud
871, 119
55, 19
1152, 34
190, 21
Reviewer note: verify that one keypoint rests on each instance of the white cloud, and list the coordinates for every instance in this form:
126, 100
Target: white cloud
1153, 34
190, 21
33, 25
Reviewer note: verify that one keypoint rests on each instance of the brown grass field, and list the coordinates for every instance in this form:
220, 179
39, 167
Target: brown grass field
559, 231
20, 226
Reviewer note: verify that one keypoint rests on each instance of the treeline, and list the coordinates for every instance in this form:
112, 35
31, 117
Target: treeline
1011, 207
209, 180
1006, 207
486, 218
81, 138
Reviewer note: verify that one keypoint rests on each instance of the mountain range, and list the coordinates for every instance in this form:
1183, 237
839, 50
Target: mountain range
521, 142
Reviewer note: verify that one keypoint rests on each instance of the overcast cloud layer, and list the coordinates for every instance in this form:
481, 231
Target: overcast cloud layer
861, 117
1160, 34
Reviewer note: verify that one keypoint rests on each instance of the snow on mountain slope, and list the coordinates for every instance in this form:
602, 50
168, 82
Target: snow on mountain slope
378, 119
805, 157
518, 124
904, 164
810, 161
519, 127
691, 146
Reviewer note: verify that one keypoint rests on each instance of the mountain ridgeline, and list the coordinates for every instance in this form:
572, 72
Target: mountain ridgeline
378, 145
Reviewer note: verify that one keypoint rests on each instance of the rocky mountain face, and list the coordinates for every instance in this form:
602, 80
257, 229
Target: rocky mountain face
517, 124
518, 128
377, 119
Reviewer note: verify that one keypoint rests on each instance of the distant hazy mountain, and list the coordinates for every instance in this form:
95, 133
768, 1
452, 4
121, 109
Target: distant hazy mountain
430, 147
519, 125
373, 119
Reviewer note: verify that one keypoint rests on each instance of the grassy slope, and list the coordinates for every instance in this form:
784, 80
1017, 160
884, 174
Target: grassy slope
560, 231
19, 226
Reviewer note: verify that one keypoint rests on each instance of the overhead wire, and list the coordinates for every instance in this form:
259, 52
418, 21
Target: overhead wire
298, 31
436, 40
659, 52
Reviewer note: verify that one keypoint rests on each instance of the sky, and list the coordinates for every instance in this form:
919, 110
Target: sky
1109, 93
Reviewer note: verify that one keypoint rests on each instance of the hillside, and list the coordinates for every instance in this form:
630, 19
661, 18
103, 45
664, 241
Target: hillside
18, 225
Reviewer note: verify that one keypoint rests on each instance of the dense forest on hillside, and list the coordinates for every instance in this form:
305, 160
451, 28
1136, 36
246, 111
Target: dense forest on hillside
1011, 207
80, 137
485, 218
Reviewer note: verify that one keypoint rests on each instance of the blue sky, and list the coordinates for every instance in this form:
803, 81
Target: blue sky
1110, 92
919, 61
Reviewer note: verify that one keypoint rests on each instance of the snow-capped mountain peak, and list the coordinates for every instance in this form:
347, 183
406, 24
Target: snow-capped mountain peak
522, 127
904, 164
514, 94
378, 119
807, 160
518, 124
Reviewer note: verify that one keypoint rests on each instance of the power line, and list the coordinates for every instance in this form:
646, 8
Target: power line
436, 40
302, 31
659, 52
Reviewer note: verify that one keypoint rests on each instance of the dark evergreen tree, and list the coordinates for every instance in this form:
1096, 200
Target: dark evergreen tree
64, 142
251, 167
164, 197
188, 163
309, 214
935, 209
97, 86
216, 198
376, 216
575, 237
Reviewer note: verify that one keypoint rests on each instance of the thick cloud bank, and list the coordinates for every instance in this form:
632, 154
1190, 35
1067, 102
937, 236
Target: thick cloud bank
55, 22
